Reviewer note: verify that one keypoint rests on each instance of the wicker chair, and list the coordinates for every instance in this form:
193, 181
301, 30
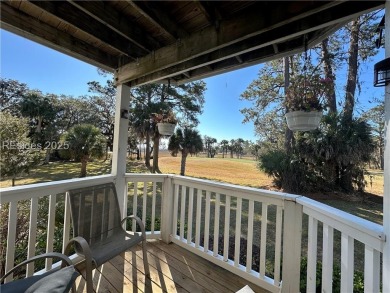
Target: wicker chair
98, 229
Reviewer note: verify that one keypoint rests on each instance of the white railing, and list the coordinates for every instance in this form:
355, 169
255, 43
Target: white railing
148, 188
351, 228
28, 198
211, 220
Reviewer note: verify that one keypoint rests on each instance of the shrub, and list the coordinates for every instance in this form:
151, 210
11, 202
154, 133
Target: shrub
286, 169
358, 284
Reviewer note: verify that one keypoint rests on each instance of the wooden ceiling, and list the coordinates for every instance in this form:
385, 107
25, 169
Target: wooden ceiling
179, 41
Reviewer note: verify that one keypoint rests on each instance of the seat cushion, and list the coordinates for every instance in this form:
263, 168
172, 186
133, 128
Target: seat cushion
55, 281
112, 246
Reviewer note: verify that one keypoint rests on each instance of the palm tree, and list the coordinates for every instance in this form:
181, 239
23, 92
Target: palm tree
85, 142
224, 145
186, 141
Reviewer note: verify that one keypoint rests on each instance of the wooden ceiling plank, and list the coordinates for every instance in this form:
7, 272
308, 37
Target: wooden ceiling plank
66, 12
152, 20
159, 18
210, 12
24, 25
205, 42
110, 17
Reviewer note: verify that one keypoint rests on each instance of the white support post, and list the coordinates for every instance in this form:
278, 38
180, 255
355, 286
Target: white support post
120, 145
386, 173
292, 238
167, 211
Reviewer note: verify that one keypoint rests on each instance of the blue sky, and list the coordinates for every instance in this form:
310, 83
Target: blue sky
53, 72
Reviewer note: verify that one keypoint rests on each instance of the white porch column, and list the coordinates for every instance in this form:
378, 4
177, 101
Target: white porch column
120, 145
386, 173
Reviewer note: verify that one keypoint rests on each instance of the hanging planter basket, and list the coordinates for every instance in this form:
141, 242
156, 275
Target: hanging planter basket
303, 121
166, 128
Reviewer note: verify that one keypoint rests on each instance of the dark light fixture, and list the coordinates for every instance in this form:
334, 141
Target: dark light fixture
382, 73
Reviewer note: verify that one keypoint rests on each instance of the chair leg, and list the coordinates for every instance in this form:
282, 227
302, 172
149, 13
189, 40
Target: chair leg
88, 275
145, 257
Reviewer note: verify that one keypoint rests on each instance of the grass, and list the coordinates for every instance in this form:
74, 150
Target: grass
55, 171
236, 171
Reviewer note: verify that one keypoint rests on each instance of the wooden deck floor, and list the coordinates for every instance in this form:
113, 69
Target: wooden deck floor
172, 269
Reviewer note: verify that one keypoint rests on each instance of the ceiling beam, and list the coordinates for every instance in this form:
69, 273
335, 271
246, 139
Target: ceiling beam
84, 22
210, 12
24, 25
199, 49
259, 56
116, 21
159, 18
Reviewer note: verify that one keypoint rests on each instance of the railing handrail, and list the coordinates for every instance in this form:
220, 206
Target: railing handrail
146, 177
347, 222
23, 192
235, 190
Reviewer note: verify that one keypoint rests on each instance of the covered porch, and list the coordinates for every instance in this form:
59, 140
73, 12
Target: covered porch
204, 221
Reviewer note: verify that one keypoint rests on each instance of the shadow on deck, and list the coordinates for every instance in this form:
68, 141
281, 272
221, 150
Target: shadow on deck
172, 269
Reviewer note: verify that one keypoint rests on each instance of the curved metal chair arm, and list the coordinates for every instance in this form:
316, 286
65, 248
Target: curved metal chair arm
88, 258
139, 222
61, 256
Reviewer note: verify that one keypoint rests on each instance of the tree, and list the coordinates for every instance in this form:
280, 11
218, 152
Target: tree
18, 153
209, 146
224, 146
11, 92
74, 111
376, 119
104, 103
85, 141
185, 100
41, 110
255, 149
187, 141
267, 111
238, 147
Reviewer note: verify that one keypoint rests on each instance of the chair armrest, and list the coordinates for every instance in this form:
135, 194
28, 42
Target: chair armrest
88, 258
139, 222
83, 244
61, 256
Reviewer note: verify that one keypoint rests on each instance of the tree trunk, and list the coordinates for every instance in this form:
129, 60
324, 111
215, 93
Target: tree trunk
156, 142
13, 181
47, 156
39, 125
84, 162
352, 72
327, 62
106, 153
346, 172
288, 135
147, 150
184, 154
381, 150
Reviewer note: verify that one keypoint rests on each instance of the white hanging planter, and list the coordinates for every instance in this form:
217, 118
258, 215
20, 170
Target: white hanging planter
166, 128
303, 121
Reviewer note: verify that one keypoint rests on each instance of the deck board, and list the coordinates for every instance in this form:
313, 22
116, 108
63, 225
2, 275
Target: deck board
172, 269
